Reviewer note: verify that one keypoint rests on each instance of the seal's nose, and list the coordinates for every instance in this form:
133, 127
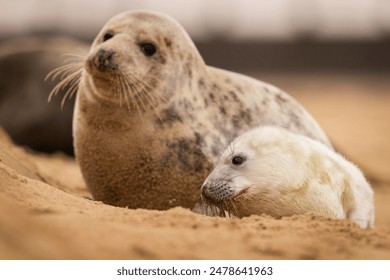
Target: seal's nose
104, 59
205, 193
208, 193
217, 191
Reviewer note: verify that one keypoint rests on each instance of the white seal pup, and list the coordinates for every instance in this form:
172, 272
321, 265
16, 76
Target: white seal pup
151, 118
276, 172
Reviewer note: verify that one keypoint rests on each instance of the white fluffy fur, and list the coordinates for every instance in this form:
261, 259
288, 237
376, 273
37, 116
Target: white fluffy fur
286, 174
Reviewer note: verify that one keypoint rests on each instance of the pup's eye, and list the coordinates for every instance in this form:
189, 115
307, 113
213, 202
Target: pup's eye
148, 49
108, 36
238, 160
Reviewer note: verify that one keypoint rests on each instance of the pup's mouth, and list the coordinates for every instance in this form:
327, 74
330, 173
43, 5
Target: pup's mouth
210, 199
241, 192
225, 207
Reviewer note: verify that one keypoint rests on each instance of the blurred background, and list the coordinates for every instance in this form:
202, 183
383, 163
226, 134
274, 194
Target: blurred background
331, 55
275, 35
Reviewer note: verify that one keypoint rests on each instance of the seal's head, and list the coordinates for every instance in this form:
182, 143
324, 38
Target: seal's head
253, 172
137, 53
138, 58
269, 170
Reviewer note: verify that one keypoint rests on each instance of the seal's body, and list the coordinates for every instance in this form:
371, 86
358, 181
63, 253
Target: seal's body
276, 172
151, 119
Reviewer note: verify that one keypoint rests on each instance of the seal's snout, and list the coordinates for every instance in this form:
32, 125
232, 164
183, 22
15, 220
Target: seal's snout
217, 192
104, 60
206, 193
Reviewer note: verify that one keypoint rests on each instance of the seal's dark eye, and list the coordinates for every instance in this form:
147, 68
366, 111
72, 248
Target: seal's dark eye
108, 36
238, 160
148, 49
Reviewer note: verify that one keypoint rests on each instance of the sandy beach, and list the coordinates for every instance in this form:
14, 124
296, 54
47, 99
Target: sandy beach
46, 212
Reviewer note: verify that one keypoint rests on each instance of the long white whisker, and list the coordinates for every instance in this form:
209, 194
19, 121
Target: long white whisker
133, 93
73, 85
147, 87
126, 92
59, 70
137, 95
71, 79
125, 89
69, 75
118, 93
234, 207
149, 99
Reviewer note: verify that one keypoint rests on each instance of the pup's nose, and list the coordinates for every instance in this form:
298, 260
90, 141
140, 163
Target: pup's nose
217, 191
208, 193
205, 193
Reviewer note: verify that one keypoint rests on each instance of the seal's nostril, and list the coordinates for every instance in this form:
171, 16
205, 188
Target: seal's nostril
104, 54
104, 57
204, 192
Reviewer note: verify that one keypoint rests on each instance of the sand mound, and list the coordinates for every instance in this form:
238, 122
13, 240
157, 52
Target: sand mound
46, 213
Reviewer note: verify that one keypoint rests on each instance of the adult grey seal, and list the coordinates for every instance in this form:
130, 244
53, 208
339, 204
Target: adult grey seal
270, 170
151, 118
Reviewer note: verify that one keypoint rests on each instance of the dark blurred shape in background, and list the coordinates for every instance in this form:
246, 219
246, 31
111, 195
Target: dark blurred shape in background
279, 36
24, 110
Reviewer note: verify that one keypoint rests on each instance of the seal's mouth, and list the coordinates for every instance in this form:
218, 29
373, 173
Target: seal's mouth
241, 192
210, 199
223, 207
218, 197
